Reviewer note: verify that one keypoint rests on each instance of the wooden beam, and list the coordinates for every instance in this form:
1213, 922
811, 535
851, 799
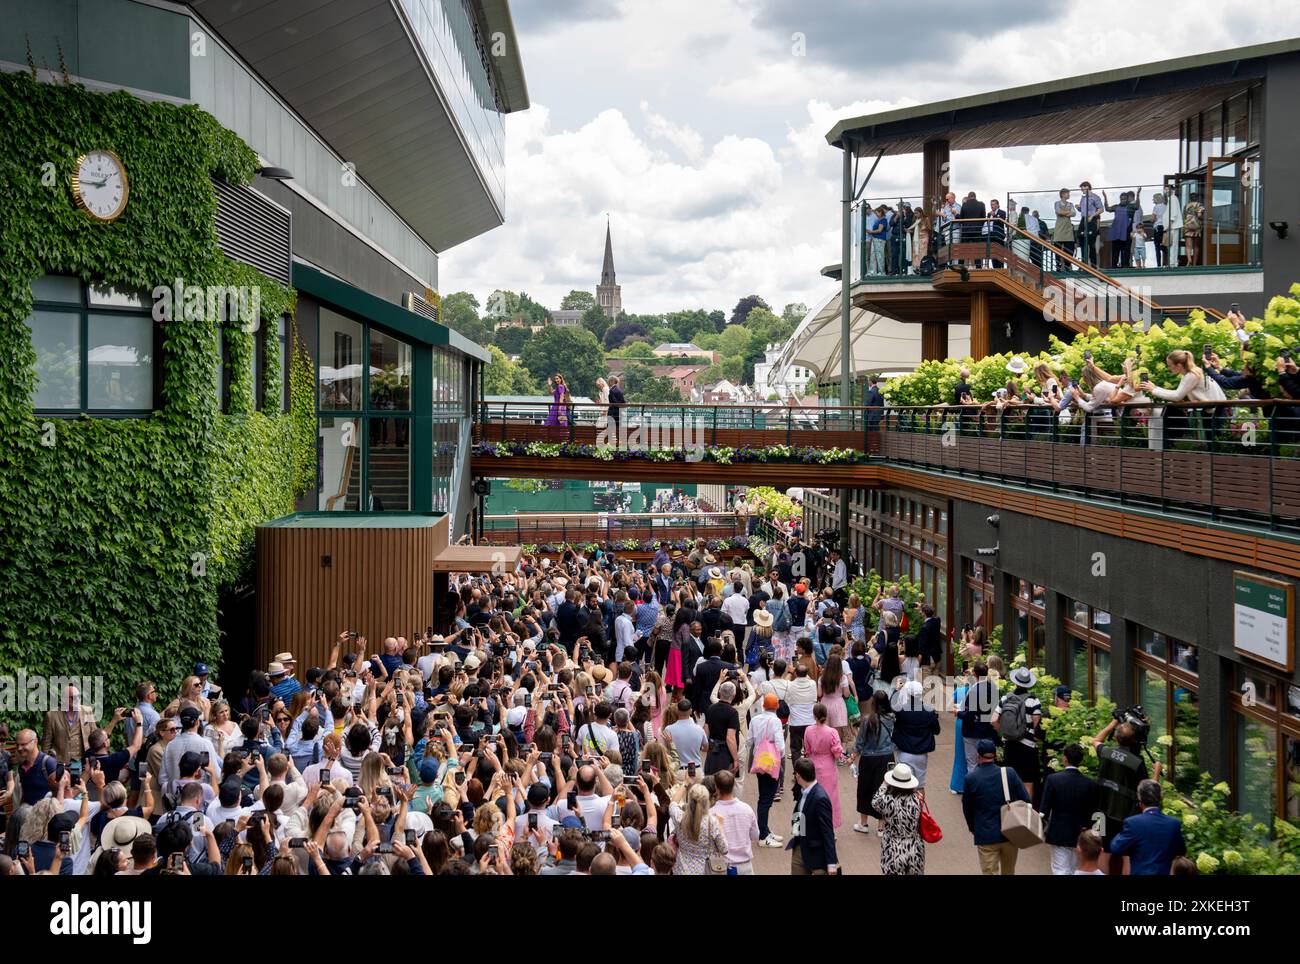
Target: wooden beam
979, 324
934, 340
934, 178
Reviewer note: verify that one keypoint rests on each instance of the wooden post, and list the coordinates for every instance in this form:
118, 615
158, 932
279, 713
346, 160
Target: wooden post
934, 167
934, 340
979, 324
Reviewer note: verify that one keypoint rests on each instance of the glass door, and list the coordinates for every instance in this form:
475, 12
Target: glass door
1226, 210
1184, 191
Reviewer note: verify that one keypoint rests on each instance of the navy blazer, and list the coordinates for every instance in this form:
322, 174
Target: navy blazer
817, 845
1069, 801
982, 800
1151, 840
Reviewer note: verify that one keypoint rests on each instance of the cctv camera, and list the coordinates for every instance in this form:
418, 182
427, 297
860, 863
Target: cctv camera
993, 520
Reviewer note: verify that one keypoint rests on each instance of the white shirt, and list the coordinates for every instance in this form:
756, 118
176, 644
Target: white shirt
334, 771
840, 577
801, 696
736, 607
592, 810
624, 632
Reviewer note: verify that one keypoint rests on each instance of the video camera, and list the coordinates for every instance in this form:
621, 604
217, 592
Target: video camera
1136, 718
830, 537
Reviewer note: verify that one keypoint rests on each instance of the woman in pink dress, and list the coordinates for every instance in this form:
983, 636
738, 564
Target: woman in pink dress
822, 745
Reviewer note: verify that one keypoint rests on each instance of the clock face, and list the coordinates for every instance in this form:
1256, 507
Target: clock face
99, 184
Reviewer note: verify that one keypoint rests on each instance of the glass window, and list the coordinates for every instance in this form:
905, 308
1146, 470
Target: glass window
340, 372
1149, 641
1256, 767
1037, 642
1040, 596
338, 457
1153, 694
1187, 738
119, 356
1237, 133
1077, 612
1211, 131
390, 372
282, 350
976, 607
56, 337
388, 470
106, 296
1100, 672
1101, 622
1079, 666
1184, 655
1262, 688
55, 287
446, 435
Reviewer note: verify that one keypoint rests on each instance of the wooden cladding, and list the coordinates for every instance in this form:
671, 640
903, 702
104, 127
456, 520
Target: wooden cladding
934, 340
979, 324
780, 475
523, 430
378, 582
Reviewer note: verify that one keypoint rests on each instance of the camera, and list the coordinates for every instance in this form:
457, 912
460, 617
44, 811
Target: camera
1136, 718
994, 520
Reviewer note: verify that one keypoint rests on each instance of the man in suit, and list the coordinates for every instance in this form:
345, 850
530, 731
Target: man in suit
67, 729
616, 402
981, 803
1150, 839
812, 833
875, 403
972, 210
929, 641
706, 675
569, 618
1069, 801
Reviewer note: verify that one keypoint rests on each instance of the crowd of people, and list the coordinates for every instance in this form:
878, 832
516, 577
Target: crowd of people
580, 715
901, 239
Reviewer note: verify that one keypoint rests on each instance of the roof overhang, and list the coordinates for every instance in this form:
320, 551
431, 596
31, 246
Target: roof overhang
496, 23
1073, 110
477, 559
877, 344
354, 71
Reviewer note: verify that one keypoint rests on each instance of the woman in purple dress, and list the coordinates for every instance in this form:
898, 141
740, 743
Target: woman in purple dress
553, 410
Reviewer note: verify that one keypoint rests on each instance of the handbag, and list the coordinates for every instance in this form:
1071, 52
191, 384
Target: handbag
851, 704
766, 759
1022, 825
929, 827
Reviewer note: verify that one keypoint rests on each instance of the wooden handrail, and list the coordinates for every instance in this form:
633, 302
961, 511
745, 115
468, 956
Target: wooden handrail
1087, 268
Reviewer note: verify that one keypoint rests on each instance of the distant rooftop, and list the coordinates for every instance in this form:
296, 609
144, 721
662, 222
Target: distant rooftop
679, 347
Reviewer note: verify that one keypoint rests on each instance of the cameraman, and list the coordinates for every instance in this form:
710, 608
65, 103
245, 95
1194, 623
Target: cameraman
1121, 769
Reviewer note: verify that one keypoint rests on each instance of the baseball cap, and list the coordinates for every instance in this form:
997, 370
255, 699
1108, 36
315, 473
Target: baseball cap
538, 795
429, 770
200, 669
986, 748
1062, 692
189, 716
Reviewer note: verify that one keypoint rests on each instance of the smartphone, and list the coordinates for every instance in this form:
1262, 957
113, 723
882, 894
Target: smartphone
65, 841
412, 838
352, 634
617, 819
647, 768
532, 820
460, 777
204, 758
1087, 355
690, 770
58, 772
572, 800
196, 821
394, 771
177, 860
1144, 377
23, 850
297, 843
248, 863
385, 848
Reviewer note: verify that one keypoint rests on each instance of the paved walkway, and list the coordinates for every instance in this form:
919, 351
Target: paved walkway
860, 853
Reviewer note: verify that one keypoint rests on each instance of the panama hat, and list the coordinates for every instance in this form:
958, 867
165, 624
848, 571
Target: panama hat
1023, 676
710, 559
715, 573
275, 669
1017, 366
762, 618
900, 775
285, 658
601, 674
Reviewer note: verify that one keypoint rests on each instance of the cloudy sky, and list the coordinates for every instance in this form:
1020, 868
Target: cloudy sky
699, 127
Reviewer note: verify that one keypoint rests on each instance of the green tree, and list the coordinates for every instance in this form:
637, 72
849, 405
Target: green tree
512, 338
502, 305
573, 352
688, 324
718, 319
641, 384
534, 312
662, 335
793, 313
504, 377
621, 331
596, 321
578, 300
459, 312
635, 349
744, 306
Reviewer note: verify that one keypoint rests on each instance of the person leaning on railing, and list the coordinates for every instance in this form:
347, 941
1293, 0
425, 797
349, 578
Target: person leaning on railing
1193, 384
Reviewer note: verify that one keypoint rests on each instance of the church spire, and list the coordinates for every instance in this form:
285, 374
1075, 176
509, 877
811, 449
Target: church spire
607, 272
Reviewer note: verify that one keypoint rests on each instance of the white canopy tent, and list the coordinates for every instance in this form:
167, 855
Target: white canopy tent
879, 345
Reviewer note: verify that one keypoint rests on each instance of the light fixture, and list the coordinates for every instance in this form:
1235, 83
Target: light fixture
1280, 227
276, 173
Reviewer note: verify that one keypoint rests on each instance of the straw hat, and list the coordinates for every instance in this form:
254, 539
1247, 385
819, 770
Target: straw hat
715, 573
601, 674
762, 618
1017, 366
900, 775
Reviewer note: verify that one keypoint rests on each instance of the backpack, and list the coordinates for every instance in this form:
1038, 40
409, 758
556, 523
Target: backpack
1012, 719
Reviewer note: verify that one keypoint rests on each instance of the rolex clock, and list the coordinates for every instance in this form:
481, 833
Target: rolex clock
99, 185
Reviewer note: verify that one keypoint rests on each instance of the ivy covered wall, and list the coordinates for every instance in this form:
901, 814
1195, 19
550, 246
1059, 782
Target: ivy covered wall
117, 539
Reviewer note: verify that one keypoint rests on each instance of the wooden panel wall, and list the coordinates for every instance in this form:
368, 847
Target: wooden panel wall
379, 583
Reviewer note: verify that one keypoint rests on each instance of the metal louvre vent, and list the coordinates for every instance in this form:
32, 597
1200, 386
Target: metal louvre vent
417, 303
254, 230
